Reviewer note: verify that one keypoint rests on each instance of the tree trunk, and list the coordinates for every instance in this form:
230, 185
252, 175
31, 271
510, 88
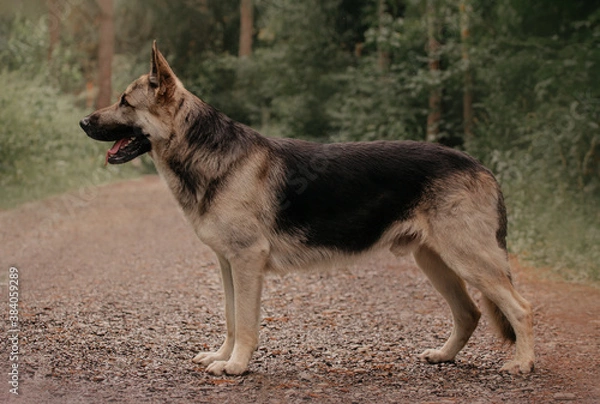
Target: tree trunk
383, 56
106, 47
435, 96
465, 10
246, 27
54, 23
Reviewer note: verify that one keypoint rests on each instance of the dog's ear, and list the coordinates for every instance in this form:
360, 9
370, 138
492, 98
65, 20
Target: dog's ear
160, 72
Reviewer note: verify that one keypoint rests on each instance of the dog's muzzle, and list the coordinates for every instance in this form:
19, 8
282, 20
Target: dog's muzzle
130, 140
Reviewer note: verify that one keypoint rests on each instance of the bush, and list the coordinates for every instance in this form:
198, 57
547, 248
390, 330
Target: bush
542, 139
42, 149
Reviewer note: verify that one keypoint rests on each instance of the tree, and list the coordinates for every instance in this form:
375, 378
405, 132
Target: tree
465, 34
246, 27
106, 47
435, 95
383, 56
54, 20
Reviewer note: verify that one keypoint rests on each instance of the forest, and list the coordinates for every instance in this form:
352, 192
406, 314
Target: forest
514, 83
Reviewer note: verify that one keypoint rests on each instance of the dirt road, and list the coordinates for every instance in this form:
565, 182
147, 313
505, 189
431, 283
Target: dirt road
116, 295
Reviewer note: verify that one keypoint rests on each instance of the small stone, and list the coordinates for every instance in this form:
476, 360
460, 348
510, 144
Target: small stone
305, 376
565, 396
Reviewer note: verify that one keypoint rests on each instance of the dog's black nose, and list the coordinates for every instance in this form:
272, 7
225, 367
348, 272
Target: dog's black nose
84, 123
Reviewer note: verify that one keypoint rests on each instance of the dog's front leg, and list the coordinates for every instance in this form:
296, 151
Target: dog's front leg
247, 270
224, 353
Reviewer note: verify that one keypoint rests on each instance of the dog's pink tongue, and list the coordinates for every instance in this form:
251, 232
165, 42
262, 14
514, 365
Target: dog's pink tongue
113, 150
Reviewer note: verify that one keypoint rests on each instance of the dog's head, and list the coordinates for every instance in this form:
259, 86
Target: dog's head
142, 119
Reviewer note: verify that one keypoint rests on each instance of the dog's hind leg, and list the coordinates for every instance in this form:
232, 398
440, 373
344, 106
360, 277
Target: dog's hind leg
511, 306
224, 353
488, 270
464, 312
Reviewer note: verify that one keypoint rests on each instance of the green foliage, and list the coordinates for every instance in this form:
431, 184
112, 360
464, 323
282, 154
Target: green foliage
42, 149
390, 101
286, 84
539, 131
24, 43
549, 224
379, 105
385, 102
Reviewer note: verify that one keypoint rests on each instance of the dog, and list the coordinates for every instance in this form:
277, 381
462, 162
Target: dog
274, 205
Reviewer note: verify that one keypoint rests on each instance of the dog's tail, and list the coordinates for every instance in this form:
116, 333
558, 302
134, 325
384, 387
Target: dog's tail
499, 320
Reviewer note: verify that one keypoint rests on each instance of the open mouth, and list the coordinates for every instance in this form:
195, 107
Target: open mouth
127, 149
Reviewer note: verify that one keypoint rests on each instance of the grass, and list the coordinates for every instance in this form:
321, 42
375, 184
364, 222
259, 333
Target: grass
564, 237
552, 226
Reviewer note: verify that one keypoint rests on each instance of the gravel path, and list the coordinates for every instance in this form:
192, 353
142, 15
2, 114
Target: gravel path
117, 295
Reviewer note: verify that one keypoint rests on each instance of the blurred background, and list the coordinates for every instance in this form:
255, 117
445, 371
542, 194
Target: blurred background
514, 83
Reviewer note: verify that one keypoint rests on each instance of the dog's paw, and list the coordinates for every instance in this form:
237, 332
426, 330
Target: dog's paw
206, 358
435, 356
516, 366
219, 368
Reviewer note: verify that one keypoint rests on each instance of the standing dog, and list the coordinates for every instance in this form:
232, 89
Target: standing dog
267, 204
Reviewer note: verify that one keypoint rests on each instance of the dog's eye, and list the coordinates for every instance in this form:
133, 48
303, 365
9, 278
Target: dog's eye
124, 102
